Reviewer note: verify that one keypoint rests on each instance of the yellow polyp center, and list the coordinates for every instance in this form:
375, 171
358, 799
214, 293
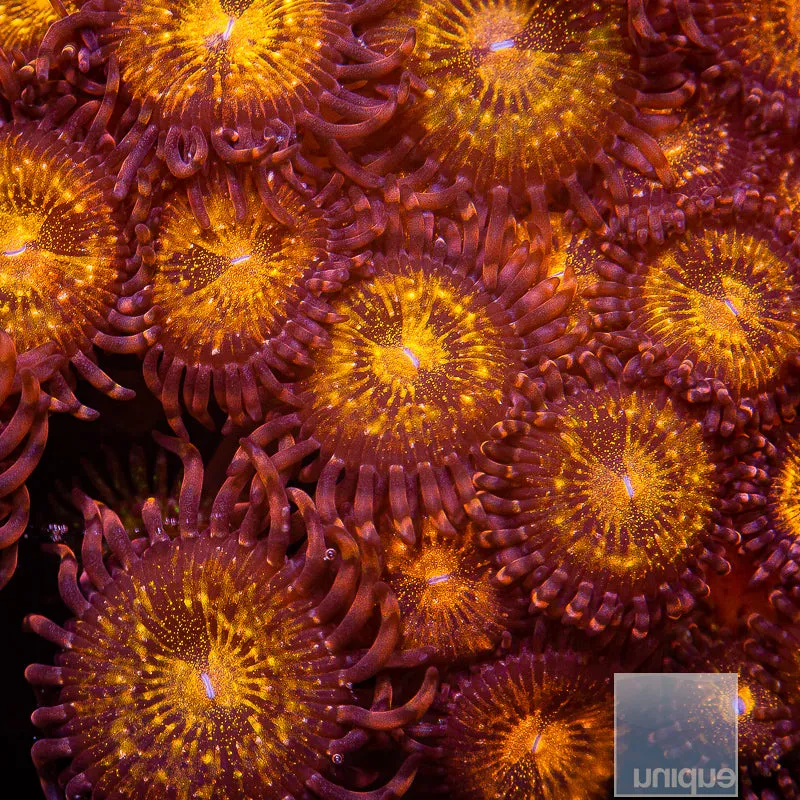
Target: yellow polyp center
674, 146
727, 316
223, 291
445, 598
214, 271
628, 490
58, 243
756, 735
626, 487
21, 267
745, 701
678, 148
437, 568
756, 709
212, 682
229, 31
223, 60
785, 492
203, 676
502, 60
494, 29
725, 300
525, 738
623, 486
506, 64
17, 233
538, 752
421, 362
419, 351
538, 744
529, 730
514, 86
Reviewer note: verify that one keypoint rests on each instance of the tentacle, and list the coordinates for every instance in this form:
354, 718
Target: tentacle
368, 9
117, 538
314, 562
263, 436
223, 140
68, 582
197, 151
92, 545
63, 400
379, 67
16, 522
411, 711
49, 631
432, 499
20, 423
385, 642
325, 494
99, 127
398, 500
640, 22
201, 396
170, 397
13, 477
354, 130
397, 787
133, 161
92, 373
134, 344
279, 529
362, 607
8, 365
344, 584
65, 30
465, 489
365, 500
191, 485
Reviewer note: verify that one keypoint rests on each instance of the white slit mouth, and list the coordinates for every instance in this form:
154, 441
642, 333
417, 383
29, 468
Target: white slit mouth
628, 486
732, 307
411, 357
210, 693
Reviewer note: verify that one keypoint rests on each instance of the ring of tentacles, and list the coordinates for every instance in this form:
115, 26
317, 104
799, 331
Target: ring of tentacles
528, 725
63, 250
524, 94
230, 79
604, 502
713, 313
